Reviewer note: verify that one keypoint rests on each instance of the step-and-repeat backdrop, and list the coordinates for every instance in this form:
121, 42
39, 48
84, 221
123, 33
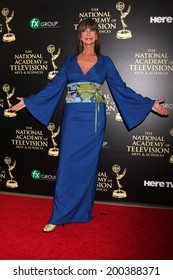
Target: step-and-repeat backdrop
35, 36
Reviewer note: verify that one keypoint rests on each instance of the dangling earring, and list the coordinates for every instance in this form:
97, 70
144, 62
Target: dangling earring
81, 43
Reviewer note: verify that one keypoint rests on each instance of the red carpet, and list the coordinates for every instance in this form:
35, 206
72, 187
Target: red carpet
115, 233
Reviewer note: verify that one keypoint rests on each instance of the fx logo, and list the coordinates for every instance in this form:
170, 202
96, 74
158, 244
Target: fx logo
36, 174
35, 23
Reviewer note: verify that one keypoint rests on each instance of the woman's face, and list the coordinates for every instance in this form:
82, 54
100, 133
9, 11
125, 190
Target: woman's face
88, 36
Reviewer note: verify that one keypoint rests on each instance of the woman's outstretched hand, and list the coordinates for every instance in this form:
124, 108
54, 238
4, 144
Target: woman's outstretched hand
20, 105
157, 108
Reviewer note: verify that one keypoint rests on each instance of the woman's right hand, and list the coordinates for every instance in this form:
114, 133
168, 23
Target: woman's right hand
20, 105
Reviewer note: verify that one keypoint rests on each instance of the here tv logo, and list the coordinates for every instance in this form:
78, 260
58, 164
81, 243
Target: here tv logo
159, 19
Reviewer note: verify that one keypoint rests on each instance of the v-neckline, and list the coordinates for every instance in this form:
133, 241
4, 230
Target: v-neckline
90, 67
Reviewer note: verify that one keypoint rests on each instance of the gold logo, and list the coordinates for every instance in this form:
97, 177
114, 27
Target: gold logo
10, 183
51, 50
8, 112
124, 33
118, 117
119, 193
171, 157
53, 151
8, 37
171, 131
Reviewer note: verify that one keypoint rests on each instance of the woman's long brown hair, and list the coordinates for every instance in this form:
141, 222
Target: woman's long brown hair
87, 23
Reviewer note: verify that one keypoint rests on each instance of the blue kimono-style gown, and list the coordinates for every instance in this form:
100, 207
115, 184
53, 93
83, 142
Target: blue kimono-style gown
80, 144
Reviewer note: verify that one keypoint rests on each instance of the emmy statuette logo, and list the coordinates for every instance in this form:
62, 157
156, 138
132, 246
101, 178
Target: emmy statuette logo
54, 56
118, 117
53, 151
124, 33
171, 157
8, 37
119, 193
8, 112
10, 183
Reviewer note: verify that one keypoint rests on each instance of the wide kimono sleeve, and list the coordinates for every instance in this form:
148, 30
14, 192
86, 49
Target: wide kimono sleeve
43, 104
132, 106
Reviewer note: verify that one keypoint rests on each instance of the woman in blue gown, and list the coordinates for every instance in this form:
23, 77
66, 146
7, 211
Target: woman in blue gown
83, 121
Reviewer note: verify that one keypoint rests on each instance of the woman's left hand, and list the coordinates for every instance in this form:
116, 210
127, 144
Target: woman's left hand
157, 108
